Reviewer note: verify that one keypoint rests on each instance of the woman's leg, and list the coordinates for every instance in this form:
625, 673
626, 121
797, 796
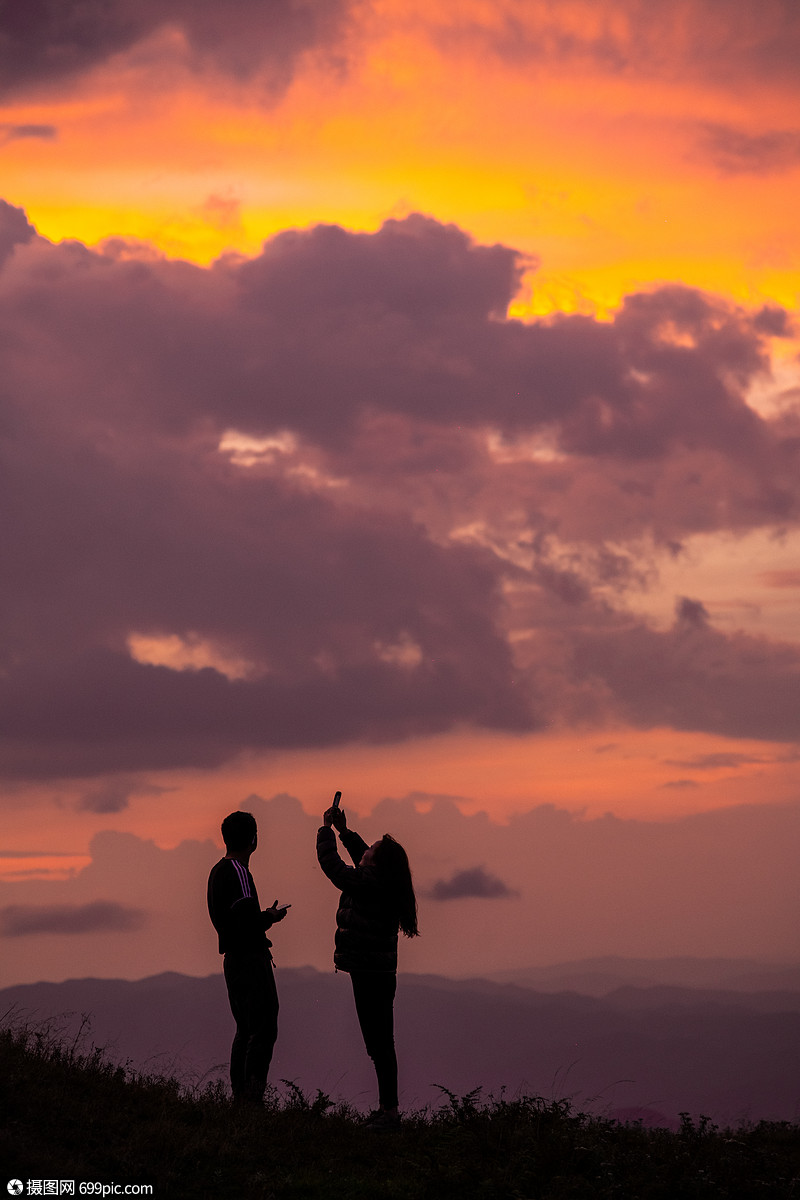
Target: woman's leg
374, 993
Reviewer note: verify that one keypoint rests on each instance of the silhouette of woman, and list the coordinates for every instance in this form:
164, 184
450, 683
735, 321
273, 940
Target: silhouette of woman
377, 900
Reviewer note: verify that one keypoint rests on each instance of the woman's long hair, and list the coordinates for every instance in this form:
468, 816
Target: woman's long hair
391, 861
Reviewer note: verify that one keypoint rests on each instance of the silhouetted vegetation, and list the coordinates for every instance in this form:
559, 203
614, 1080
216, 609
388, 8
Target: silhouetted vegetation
72, 1114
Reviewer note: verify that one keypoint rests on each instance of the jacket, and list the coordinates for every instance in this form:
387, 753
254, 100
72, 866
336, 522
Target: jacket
367, 920
235, 910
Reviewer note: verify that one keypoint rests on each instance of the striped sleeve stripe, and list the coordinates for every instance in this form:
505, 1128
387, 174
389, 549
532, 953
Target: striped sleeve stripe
244, 879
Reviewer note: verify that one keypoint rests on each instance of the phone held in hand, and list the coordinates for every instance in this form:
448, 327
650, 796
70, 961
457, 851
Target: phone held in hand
337, 799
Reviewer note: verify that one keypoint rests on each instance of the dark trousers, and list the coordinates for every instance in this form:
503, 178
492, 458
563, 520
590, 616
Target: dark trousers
374, 993
254, 1004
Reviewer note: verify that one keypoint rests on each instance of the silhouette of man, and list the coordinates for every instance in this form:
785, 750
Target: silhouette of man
241, 924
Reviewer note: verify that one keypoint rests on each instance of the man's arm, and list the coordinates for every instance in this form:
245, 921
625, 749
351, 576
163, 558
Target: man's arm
236, 911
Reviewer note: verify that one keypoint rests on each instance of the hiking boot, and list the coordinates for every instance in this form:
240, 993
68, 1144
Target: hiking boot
381, 1121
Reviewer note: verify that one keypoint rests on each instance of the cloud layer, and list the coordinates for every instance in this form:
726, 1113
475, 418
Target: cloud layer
99, 916
745, 41
44, 44
332, 493
473, 883
710, 885
730, 45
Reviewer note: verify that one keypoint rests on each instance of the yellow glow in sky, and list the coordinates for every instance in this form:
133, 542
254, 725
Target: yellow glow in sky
604, 177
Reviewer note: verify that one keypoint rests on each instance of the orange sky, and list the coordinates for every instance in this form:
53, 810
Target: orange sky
607, 177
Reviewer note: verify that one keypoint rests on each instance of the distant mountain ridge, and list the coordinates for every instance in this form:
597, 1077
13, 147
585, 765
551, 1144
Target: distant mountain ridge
660, 1050
599, 976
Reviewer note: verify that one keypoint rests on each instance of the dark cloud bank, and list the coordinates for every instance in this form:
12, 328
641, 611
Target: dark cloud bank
395, 560
46, 44
53, 42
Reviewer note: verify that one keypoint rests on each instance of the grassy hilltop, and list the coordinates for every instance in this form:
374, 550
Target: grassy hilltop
71, 1114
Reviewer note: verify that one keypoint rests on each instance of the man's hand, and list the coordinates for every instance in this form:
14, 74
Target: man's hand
336, 818
276, 913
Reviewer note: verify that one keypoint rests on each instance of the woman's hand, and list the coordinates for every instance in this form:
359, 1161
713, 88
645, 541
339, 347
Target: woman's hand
335, 817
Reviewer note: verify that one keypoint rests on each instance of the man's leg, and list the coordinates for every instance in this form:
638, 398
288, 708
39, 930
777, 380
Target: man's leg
232, 970
254, 1004
263, 1029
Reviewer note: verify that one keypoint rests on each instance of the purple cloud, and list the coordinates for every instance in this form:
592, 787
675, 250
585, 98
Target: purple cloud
691, 612
735, 152
15, 230
757, 41
114, 794
99, 916
475, 883
693, 677
713, 762
12, 133
46, 44
308, 478
781, 579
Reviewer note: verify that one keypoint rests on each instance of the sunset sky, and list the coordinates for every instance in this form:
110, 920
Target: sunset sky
403, 398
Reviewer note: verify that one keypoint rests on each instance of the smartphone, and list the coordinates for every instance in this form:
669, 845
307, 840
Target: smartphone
282, 907
336, 799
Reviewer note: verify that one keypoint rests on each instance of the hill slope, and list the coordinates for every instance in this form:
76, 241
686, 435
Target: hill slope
73, 1117
730, 1056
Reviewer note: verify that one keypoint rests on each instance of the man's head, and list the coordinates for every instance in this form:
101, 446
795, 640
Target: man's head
239, 832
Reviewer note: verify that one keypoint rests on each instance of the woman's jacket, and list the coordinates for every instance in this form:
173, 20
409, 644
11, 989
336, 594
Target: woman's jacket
367, 919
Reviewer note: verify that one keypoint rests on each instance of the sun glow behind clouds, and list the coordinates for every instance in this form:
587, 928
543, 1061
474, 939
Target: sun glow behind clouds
246, 451
18, 868
606, 175
189, 653
404, 653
